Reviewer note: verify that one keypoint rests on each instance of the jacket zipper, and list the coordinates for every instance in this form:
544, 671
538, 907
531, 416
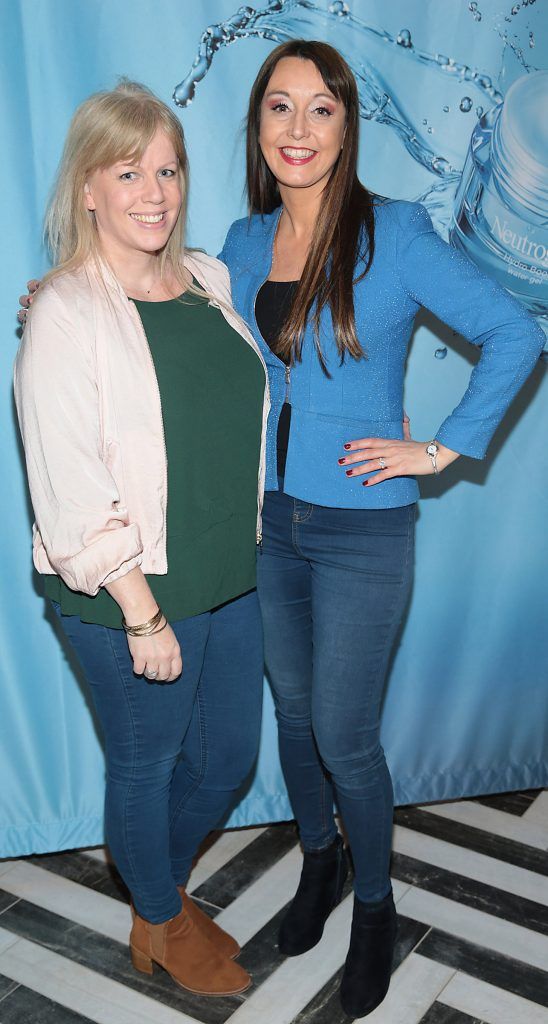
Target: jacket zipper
161, 420
287, 383
287, 369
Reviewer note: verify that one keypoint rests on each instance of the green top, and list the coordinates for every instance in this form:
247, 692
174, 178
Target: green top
211, 386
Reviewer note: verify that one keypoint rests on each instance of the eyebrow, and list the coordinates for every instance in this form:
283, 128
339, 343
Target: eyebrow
317, 95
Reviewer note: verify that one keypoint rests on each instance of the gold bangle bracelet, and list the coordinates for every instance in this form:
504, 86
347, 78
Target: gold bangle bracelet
159, 630
144, 628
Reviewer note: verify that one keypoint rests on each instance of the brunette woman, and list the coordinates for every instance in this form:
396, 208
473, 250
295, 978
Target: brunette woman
331, 278
141, 400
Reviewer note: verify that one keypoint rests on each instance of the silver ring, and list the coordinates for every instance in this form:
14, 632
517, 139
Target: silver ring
382, 463
151, 675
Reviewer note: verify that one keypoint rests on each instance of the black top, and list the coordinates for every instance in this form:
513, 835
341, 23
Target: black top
271, 308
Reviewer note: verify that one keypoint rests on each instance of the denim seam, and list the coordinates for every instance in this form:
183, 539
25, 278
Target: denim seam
203, 762
404, 582
322, 803
136, 748
295, 523
299, 517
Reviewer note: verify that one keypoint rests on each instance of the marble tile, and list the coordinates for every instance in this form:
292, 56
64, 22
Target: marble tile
498, 823
227, 846
6, 864
325, 1007
502, 971
537, 812
108, 960
472, 925
69, 899
77, 988
99, 853
499, 873
7, 939
7, 899
473, 838
247, 914
229, 881
490, 1004
88, 871
94, 869
512, 803
27, 1007
471, 893
7, 985
472, 946
440, 1014
414, 987
260, 955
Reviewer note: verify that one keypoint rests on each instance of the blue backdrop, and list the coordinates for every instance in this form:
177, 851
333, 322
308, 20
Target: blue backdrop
466, 709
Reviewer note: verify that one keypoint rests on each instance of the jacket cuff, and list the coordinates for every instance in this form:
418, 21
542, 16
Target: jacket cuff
473, 447
112, 555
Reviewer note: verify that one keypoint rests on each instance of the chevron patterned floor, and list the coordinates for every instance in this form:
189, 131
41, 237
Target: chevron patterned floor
471, 883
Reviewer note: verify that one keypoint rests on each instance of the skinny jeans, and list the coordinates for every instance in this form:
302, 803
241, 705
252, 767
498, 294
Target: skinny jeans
333, 586
176, 753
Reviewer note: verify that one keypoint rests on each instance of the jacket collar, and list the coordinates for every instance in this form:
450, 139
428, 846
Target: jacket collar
263, 228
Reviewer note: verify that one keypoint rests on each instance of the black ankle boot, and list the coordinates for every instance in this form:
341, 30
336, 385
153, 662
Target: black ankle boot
368, 965
319, 891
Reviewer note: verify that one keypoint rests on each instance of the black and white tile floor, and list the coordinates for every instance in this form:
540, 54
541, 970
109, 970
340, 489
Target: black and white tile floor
471, 883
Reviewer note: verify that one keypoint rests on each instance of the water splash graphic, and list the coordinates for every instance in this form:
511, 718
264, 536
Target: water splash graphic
404, 39
382, 98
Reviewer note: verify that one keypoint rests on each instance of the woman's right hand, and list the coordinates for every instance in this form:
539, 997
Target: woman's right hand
157, 657
26, 300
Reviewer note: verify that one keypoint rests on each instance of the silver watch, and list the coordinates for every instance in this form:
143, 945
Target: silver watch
432, 449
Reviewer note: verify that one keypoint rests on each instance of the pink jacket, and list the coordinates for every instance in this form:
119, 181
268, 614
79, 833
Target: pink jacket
90, 416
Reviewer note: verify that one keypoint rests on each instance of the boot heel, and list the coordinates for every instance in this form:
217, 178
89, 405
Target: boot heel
141, 961
319, 891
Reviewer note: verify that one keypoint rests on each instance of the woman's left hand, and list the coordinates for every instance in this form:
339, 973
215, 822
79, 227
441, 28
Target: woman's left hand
392, 458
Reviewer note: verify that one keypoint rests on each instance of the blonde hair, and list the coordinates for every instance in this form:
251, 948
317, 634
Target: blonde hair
107, 128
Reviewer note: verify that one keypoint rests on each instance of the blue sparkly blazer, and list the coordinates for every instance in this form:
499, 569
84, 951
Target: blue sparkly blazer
412, 267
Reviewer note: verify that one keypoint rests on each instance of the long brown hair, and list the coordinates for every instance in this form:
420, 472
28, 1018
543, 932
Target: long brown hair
344, 231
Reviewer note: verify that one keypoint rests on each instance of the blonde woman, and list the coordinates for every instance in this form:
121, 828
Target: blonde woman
142, 401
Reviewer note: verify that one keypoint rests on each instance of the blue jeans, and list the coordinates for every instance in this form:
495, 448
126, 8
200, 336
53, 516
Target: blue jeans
333, 585
176, 753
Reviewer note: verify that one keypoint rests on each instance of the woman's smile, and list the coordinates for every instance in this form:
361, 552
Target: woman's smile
297, 156
150, 220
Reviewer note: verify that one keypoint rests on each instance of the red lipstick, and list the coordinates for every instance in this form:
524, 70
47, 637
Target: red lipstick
296, 161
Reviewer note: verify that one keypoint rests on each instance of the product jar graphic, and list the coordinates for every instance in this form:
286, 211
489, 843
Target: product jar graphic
501, 207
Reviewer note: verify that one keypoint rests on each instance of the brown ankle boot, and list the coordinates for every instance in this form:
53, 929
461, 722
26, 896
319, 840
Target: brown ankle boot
223, 942
181, 948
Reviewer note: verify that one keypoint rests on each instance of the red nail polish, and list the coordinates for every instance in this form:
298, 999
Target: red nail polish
346, 446
349, 472
342, 462
365, 483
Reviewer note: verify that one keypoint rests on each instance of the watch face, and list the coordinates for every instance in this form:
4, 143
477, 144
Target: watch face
432, 448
